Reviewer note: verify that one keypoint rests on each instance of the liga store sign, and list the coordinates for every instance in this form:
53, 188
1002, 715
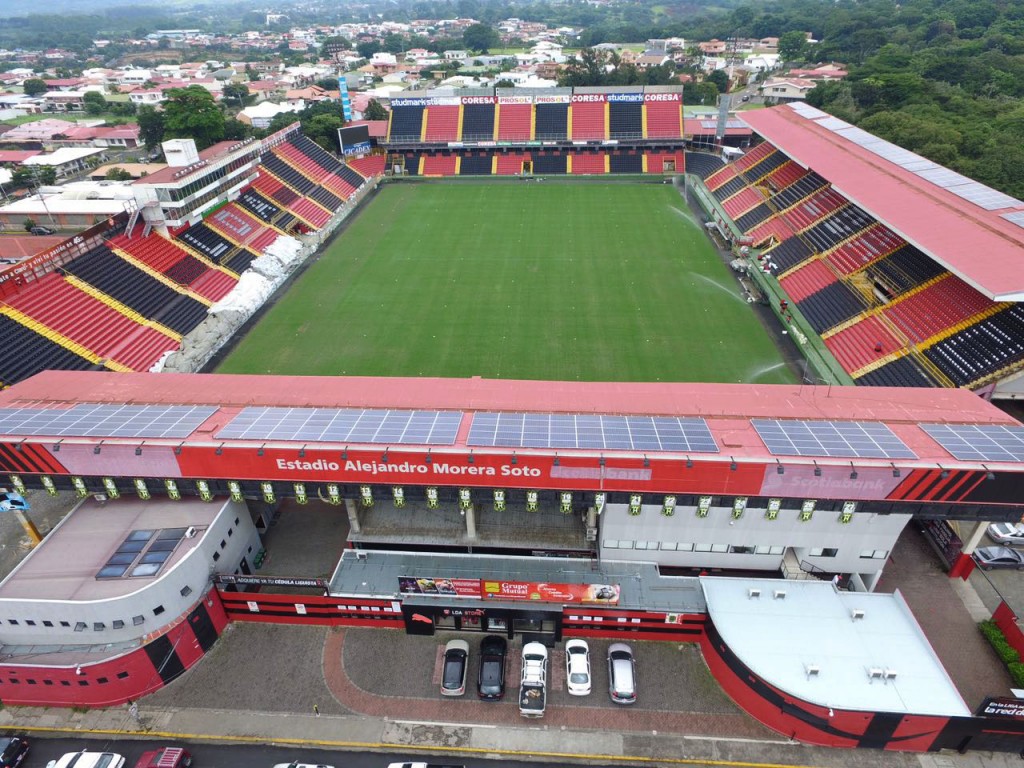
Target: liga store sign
1003, 707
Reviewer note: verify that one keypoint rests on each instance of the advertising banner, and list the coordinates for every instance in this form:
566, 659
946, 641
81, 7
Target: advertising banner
269, 581
439, 587
551, 99
516, 99
594, 98
478, 99
635, 98
603, 594
1002, 706
676, 97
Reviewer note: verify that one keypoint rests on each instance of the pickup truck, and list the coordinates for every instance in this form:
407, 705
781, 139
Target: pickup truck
533, 691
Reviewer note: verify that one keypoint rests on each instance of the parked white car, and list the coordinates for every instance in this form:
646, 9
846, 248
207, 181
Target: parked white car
86, 759
1007, 534
577, 667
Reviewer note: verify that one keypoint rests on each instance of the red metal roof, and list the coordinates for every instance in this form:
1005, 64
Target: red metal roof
978, 245
727, 408
209, 154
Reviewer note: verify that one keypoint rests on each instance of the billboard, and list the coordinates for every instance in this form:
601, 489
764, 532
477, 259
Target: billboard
354, 139
544, 592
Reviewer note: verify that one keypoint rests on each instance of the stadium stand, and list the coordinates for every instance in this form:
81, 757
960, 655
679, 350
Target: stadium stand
588, 163
26, 352
901, 372
587, 120
831, 306
981, 349
107, 333
510, 164
742, 201
665, 162
551, 122
405, 124
664, 119
208, 242
478, 122
441, 124
166, 256
625, 120
809, 278
626, 162
367, 167
476, 165
937, 307
870, 245
439, 165
115, 278
549, 163
702, 164
515, 122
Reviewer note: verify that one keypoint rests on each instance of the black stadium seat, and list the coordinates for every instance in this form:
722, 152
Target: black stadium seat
26, 353
406, 124
479, 165
625, 162
830, 306
117, 278
548, 164
702, 164
258, 205
902, 372
625, 120
478, 122
350, 176
552, 122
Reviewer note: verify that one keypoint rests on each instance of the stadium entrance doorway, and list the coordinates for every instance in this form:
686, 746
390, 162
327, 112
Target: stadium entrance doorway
527, 167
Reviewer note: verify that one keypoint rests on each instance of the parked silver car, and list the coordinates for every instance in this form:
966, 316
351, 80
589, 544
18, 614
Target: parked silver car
621, 674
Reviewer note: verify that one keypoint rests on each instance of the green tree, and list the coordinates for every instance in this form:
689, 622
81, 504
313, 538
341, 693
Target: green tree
118, 174
393, 43
793, 46
151, 126
480, 37
374, 111
323, 129
236, 130
29, 224
46, 175
94, 103
720, 79
191, 113
367, 48
34, 86
237, 93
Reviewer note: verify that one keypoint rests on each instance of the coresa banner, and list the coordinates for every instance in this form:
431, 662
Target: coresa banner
604, 594
438, 587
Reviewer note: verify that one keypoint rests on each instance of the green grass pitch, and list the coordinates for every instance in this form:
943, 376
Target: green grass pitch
531, 280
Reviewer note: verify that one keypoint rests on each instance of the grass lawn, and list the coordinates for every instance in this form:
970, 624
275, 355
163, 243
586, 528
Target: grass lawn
600, 282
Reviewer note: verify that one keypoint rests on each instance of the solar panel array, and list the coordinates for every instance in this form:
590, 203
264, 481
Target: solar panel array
951, 181
1015, 218
346, 425
728, 124
979, 442
840, 439
591, 431
98, 420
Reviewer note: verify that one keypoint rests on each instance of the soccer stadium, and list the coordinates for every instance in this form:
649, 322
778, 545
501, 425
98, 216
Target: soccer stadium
570, 339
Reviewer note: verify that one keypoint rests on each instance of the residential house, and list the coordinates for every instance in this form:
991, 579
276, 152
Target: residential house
780, 90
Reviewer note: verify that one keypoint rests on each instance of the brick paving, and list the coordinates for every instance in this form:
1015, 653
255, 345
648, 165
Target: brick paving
914, 569
389, 674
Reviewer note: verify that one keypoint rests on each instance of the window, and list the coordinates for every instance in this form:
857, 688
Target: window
65, 624
223, 543
102, 680
79, 626
824, 552
668, 546
874, 554
98, 626
625, 544
684, 547
13, 622
702, 547
158, 610
64, 682
122, 675
216, 556
236, 521
186, 591
611, 544
136, 620
47, 623
29, 622
646, 545
230, 532
737, 549
118, 624
720, 548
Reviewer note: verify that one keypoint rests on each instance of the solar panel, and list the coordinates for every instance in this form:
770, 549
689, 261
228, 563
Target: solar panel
859, 136
100, 420
834, 123
347, 425
806, 110
943, 177
979, 442
591, 431
841, 439
985, 197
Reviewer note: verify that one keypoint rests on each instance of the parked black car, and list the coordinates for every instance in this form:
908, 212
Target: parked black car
13, 750
491, 681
